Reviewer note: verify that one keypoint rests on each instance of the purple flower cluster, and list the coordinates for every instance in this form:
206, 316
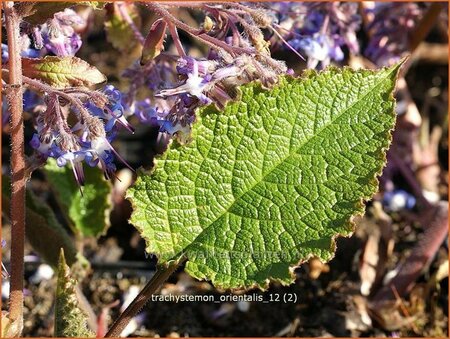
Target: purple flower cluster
26, 51
397, 200
389, 28
58, 35
322, 31
89, 140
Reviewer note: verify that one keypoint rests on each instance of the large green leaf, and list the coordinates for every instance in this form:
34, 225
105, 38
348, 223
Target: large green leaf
88, 212
272, 179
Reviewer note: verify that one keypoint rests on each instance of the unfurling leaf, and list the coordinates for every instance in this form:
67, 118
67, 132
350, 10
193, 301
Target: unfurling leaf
154, 42
70, 320
62, 72
272, 179
89, 212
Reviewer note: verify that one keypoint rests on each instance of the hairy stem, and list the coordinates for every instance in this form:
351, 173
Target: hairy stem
126, 16
195, 33
15, 103
142, 298
40, 86
176, 39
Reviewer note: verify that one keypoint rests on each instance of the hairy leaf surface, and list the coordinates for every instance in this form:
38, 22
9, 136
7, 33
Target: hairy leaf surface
89, 212
62, 72
272, 179
70, 319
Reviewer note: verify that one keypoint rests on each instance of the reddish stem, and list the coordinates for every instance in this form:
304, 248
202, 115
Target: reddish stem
18, 180
176, 39
425, 25
126, 16
161, 275
195, 33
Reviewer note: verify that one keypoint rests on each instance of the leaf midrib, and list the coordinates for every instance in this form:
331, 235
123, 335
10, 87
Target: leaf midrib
227, 209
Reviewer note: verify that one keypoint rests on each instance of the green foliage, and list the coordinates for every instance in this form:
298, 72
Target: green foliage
62, 72
89, 212
272, 179
70, 320
118, 30
43, 231
97, 5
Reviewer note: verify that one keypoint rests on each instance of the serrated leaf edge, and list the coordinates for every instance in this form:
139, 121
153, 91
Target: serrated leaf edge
359, 207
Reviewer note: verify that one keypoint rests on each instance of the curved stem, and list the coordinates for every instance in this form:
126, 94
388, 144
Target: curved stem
18, 180
142, 298
126, 16
40, 86
197, 34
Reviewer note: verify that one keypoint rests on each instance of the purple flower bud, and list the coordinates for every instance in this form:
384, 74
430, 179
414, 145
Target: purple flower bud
5, 54
398, 199
58, 34
35, 142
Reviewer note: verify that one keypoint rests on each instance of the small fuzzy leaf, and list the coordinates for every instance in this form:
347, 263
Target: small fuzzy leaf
70, 320
43, 231
11, 329
118, 30
97, 5
154, 42
62, 72
37, 13
272, 179
89, 212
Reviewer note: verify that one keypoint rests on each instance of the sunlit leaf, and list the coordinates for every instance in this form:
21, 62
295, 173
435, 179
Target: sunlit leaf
62, 72
272, 179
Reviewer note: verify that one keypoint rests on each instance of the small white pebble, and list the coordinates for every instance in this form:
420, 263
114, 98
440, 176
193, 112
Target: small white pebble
5, 289
129, 296
243, 306
44, 272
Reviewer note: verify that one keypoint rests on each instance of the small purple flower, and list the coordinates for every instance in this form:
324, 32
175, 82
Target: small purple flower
397, 200
5, 53
321, 30
195, 84
319, 48
390, 29
58, 34
113, 112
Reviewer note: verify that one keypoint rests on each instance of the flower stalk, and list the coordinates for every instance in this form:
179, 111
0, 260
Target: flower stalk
18, 180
